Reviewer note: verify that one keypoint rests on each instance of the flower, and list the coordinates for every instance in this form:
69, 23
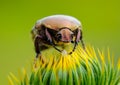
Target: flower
82, 67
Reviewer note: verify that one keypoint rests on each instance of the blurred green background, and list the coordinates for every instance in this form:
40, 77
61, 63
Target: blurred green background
100, 19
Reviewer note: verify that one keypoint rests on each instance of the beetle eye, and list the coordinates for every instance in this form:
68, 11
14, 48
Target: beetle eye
59, 36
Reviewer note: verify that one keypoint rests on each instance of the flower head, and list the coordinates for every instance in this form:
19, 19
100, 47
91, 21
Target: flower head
82, 67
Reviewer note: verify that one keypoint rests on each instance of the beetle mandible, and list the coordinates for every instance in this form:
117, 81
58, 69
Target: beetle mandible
51, 30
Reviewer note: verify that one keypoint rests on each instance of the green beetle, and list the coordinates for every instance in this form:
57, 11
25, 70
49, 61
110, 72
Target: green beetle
54, 29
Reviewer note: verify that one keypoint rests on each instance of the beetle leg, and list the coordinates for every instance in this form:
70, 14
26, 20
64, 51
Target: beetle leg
56, 47
77, 39
48, 35
81, 39
83, 45
50, 40
74, 48
36, 43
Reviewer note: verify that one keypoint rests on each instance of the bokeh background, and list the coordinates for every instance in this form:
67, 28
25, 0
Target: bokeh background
100, 19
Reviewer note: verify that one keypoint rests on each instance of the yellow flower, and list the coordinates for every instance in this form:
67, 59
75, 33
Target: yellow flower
82, 67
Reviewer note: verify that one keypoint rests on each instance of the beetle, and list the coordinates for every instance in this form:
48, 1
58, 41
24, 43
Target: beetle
51, 30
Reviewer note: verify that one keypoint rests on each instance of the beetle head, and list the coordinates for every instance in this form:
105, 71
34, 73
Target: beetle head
64, 35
